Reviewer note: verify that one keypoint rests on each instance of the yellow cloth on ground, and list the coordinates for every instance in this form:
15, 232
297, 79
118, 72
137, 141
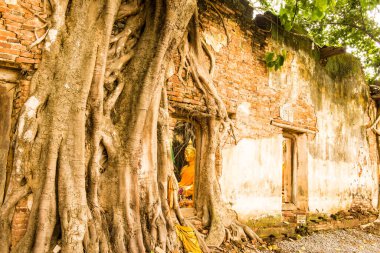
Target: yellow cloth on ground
188, 238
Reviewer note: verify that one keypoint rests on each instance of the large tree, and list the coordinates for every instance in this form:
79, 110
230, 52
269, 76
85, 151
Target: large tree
92, 141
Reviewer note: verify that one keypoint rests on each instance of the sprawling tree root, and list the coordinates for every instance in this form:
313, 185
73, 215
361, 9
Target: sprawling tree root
214, 126
92, 140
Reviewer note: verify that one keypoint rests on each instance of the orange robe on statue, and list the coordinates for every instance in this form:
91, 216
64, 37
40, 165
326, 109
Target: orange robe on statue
188, 171
187, 179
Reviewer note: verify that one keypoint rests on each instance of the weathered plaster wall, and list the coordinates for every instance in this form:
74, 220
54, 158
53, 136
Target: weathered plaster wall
251, 179
335, 166
342, 159
342, 163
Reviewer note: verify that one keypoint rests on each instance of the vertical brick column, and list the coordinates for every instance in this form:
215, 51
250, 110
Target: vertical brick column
20, 25
20, 221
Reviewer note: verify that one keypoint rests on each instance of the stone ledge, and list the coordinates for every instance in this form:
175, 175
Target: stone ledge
294, 127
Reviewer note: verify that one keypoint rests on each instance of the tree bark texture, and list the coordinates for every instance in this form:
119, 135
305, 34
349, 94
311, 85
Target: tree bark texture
92, 141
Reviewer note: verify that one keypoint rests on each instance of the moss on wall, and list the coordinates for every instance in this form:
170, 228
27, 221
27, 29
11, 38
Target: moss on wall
268, 221
342, 66
339, 88
342, 81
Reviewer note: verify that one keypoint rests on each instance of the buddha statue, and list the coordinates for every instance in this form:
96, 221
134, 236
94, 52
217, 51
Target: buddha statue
186, 184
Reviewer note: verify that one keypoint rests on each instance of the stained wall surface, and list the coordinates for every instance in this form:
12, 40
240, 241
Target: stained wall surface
335, 161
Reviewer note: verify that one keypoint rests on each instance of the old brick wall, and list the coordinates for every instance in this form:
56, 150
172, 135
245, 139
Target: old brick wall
252, 168
299, 95
241, 76
21, 24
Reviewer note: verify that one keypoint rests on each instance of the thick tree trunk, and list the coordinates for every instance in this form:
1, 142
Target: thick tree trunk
50, 151
92, 140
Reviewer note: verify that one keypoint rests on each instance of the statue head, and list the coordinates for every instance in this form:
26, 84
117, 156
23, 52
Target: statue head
190, 152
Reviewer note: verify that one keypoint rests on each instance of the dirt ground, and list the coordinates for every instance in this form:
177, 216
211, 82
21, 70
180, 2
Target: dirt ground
345, 241
335, 241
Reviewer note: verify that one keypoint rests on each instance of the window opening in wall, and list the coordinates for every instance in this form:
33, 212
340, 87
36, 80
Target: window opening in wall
184, 158
288, 182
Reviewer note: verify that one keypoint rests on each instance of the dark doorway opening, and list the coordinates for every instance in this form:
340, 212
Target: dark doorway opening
183, 132
184, 159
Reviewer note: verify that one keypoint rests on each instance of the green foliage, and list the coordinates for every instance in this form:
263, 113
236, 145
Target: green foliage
302, 230
275, 61
348, 23
293, 10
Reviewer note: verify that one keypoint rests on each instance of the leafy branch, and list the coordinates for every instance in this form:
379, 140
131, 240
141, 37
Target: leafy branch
275, 61
347, 23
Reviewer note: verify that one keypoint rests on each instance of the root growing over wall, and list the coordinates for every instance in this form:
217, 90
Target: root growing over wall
92, 143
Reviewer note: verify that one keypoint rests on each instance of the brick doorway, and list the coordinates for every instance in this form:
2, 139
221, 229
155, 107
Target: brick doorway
185, 137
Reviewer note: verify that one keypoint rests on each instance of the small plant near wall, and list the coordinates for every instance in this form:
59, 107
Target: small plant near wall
275, 60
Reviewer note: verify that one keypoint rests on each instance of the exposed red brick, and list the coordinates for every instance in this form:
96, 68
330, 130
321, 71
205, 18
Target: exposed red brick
24, 36
13, 40
12, 23
26, 42
25, 60
26, 54
16, 31
7, 34
15, 7
5, 45
9, 51
37, 8
27, 5
36, 51
13, 17
7, 56
28, 15
18, 46
34, 22
28, 27
3, 9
